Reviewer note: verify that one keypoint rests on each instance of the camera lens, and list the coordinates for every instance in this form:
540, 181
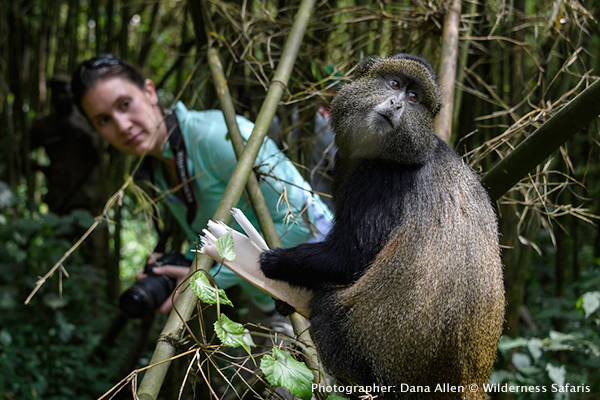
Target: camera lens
134, 302
146, 295
151, 292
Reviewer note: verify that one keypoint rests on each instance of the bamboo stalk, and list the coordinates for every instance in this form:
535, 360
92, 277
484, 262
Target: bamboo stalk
463, 59
252, 188
447, 75
186, 302
543, 142
299, 323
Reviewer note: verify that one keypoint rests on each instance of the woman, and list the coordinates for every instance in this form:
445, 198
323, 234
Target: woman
124, 109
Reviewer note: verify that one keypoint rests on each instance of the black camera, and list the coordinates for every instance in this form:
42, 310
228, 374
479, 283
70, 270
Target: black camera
149, 293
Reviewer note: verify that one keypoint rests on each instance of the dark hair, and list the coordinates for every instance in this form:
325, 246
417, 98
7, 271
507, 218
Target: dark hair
101, 67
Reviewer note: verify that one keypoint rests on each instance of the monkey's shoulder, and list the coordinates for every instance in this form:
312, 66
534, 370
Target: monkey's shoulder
384, 193
446, 170
443, 167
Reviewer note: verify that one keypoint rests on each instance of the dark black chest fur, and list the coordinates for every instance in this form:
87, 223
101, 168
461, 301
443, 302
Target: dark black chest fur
368, 206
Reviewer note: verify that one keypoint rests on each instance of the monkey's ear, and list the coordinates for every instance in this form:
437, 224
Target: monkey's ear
364, 67
436, 109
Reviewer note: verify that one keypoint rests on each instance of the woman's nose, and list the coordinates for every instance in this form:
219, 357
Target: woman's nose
122, 122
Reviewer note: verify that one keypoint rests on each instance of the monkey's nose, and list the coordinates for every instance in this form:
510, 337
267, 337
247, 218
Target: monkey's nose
396, 104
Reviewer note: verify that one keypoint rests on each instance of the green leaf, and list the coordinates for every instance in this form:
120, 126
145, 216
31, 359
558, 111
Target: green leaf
205, 291
216, 35
5, 338
501, 376
535, 346
54, 301
233, 334
590, 303
225, 246
506, 343
521, 361
283, 370
83, 218
561, 337
557, 374
558, 341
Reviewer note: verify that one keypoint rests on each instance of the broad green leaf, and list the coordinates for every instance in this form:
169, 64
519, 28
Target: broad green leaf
521, 361
558, 341
233, 334
205, 292
225, 246
283, 370
557, 374
535, 346
590, 303
501, 376
506, 343
562, 337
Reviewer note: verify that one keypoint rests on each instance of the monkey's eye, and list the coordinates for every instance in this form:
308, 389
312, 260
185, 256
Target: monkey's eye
394, 84
413, 96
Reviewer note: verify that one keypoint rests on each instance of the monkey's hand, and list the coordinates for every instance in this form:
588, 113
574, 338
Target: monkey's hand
284, 308
246, 263
271, 263
307, 265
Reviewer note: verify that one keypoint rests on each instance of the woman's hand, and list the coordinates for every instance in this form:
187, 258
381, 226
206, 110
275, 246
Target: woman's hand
176, 271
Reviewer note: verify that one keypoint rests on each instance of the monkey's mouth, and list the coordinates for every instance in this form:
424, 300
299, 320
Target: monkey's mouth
387, 118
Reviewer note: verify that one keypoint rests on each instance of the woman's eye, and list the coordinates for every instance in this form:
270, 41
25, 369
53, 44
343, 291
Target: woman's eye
125, 105
102, 121
413, 96
394, 84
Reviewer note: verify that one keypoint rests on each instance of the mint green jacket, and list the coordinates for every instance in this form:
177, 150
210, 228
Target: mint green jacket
211, 161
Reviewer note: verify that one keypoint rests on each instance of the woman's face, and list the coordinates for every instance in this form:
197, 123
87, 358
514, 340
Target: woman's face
126, 115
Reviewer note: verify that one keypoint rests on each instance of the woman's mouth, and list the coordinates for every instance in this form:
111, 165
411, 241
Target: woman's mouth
134, 139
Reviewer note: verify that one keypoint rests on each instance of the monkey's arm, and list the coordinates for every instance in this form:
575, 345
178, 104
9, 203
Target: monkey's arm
310, 264
368, 209
367, 213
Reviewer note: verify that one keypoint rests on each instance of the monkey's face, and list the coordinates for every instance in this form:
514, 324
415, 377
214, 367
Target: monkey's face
399, 95
388, 112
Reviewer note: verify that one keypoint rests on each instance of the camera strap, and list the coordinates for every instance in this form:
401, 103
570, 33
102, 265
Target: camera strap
181, 166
